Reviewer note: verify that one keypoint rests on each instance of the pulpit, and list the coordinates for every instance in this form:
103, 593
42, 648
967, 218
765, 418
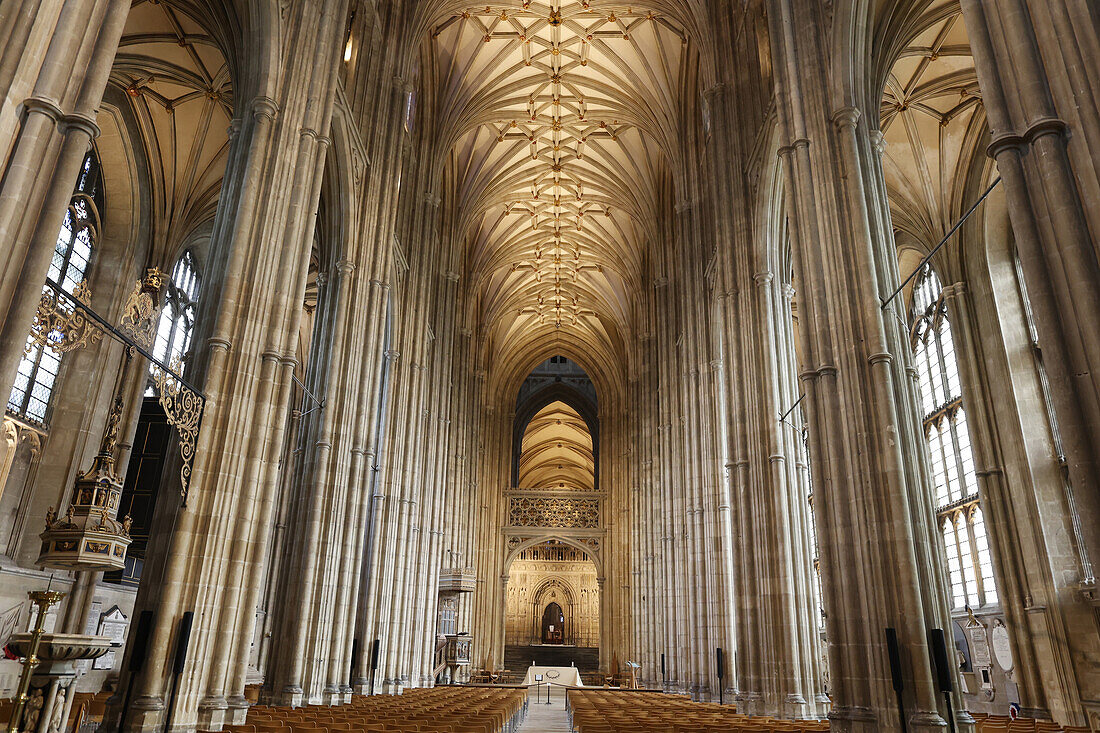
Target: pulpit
456, 655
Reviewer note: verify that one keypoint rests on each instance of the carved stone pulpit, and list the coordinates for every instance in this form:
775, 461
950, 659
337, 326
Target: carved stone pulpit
457, 655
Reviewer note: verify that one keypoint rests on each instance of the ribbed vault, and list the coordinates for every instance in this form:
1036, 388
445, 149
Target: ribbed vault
556, 451
560, 117
180, 91
932, 122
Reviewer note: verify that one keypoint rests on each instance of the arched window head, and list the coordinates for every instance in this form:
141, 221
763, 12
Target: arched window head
177, 317
76, 241
955, 484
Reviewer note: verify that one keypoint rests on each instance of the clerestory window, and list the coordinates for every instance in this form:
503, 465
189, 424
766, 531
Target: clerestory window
955, 484
177, 318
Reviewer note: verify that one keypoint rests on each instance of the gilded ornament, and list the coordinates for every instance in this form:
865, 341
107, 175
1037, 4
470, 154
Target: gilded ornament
89, 537
140, 314
183, 407
63, 327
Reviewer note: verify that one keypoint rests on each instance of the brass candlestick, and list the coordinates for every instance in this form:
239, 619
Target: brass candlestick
43, 599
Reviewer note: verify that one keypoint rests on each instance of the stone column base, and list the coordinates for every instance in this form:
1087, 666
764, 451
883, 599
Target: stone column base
794, 707
855, 719
925, 721
750, 703
331, 696
237, 710
145, 714
290, 695
213, 713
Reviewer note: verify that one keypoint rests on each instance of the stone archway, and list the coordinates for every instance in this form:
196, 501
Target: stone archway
552, 629
545, 571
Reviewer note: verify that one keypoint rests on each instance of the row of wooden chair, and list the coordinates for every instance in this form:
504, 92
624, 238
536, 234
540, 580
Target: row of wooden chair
427, 710
1004, 724
612, 711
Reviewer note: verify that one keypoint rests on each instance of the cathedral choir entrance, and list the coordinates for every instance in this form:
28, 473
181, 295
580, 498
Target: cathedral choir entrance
553, 532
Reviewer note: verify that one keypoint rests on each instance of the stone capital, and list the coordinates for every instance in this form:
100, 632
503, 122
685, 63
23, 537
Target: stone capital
80, 122
44, 106
846, 118
264, 108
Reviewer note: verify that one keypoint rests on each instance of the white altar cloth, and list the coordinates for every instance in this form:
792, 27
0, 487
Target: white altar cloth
554, 675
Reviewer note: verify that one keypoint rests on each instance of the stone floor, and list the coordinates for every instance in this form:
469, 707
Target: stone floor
543, 718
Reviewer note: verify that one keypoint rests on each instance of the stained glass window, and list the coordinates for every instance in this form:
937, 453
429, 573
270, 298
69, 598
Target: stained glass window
37, 374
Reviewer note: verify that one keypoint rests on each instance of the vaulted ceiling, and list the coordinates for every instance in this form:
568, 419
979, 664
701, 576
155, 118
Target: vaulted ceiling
178, 84
556, 452
932, 122
561, 114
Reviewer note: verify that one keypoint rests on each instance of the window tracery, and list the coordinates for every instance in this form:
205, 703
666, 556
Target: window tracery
177, 317
36, 376
955, 483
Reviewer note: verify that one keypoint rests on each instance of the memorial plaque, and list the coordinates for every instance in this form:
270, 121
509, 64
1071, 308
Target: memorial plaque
979, 646
113, 625
1002, 649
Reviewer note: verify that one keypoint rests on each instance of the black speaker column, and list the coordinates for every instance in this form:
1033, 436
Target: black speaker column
942, 671
721, 666
375, 648
895, 672
183, 638
139, 647
662, 669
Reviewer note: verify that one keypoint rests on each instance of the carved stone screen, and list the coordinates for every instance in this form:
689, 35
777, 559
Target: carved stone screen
536, 511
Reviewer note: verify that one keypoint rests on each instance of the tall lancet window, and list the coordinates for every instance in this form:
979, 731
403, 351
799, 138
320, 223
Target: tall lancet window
177, 317
72, 255
969, 567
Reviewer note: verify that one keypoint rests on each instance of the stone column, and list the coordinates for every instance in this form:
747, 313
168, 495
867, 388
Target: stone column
876, 533
46, 143
1032, 547
220, 535
1032, 59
